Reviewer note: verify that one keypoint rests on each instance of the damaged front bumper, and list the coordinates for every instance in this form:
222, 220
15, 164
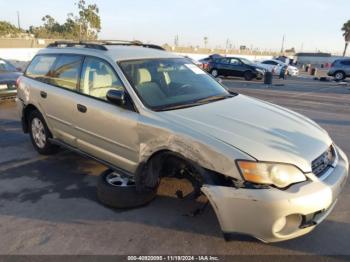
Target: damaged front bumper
273, 215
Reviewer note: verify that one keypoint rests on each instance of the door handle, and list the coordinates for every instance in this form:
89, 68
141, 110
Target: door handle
43, 94
81, 108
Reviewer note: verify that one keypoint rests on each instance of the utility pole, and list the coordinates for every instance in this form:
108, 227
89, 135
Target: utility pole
176, 40
282, 48
205, 39
18, 21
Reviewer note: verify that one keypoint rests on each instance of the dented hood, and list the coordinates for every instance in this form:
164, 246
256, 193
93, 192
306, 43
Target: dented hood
265, 131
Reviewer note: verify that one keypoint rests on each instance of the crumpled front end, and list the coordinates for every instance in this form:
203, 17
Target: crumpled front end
273, 215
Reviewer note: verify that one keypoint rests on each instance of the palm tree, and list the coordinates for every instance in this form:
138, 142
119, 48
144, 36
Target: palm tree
346, 34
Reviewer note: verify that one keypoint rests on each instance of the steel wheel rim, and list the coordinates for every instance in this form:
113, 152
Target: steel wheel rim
339, 76
118, 180
38, 132
214, 73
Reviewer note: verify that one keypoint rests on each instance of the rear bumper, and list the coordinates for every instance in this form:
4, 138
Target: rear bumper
294, 73
273, 215
20, 106
10, 91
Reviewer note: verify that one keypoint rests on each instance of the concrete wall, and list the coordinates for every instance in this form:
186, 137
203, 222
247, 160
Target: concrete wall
26, 42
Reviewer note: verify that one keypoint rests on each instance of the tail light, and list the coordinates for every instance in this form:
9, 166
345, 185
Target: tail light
17, 82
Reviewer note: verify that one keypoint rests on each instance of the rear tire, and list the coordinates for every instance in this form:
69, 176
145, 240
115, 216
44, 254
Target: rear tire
214, 73
117, 190
40, 134
339, 76
248, 76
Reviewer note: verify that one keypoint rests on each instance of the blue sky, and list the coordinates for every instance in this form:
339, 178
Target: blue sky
311, 24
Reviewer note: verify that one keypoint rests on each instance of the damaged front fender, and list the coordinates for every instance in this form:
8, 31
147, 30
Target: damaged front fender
211, 155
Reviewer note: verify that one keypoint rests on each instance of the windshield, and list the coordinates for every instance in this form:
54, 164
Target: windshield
166, 84
246, 61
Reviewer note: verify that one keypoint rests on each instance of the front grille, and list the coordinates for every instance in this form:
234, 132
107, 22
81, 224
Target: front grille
321, 164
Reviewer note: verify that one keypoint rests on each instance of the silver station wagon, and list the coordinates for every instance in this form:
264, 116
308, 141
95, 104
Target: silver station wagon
146, 113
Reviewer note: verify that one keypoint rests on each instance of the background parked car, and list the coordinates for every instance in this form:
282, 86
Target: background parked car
234, 66
194, 61
205, 61
340, 69
275, 66
8, 77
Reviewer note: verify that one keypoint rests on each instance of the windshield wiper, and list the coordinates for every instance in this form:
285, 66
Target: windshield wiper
195, 102
213, 98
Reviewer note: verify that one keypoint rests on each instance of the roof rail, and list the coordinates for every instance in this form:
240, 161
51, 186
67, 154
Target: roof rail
93, 45
130, 43
101, 44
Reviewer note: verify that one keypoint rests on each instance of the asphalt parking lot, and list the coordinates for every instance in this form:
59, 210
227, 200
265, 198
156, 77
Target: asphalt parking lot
48, 205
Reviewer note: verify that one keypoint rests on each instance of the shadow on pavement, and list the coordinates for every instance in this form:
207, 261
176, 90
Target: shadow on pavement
62, 188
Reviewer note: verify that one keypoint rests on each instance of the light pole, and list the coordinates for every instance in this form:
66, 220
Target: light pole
18, 21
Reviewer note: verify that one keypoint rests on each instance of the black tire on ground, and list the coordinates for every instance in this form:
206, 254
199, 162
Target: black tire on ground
116, 195
214, 72
42, 146
248, 76
339, 75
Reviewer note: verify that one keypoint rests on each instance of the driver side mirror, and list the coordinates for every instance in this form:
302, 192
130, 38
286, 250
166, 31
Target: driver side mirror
116, 97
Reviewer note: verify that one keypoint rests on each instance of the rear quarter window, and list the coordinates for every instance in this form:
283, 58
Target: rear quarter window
58, 70
40, 67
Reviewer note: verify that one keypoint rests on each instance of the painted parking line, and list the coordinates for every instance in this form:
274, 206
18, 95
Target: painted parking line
20, 163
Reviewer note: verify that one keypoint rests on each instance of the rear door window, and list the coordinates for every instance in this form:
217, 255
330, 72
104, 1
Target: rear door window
224, 61
66, 71
40, 67
235, 62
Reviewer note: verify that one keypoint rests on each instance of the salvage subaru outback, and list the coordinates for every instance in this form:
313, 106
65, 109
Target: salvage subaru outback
146, 113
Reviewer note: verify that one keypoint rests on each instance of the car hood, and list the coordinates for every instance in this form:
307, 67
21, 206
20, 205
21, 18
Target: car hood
262, 130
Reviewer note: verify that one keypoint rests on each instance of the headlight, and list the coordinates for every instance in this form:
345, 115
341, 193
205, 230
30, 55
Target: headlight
280, 175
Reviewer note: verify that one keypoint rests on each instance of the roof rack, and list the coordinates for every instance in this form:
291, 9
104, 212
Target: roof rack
93, 45
130, 43
101, 44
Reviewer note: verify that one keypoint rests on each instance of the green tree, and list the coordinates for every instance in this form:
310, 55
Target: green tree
89, 20
346, 34
85, 26
8, 29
